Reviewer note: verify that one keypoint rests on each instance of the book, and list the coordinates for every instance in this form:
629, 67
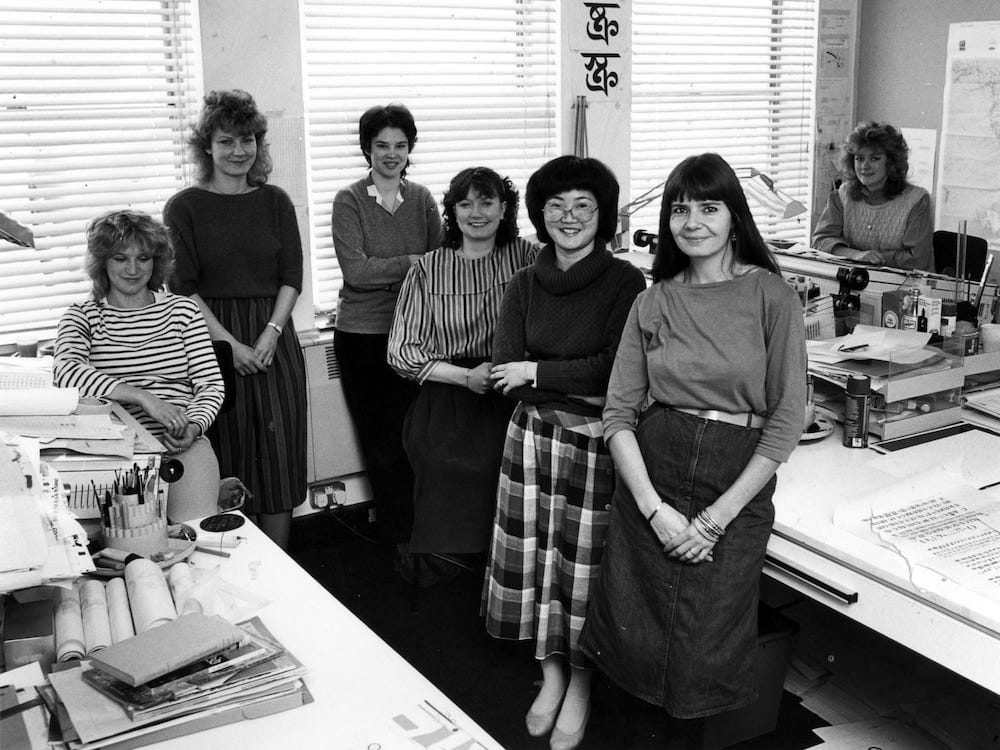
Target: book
167, 648
200, 676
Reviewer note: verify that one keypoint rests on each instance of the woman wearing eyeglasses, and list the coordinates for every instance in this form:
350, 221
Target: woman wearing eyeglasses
556, 338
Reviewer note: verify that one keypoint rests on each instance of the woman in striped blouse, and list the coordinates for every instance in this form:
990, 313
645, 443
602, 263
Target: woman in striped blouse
146, 349
441, 337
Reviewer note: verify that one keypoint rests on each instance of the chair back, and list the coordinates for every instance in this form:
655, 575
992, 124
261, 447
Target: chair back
946, 254
224, 356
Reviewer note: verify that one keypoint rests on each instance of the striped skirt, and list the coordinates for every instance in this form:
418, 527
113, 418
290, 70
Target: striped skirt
553, 503
262, 438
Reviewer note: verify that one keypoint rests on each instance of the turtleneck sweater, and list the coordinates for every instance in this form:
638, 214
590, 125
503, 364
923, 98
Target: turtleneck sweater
569, 322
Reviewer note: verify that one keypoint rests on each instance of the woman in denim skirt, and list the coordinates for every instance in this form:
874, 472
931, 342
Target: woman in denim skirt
706, 399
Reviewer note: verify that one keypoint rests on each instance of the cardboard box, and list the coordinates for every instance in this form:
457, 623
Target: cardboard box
29, 633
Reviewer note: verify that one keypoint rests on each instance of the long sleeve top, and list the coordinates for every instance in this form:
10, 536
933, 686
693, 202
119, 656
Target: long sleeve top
163, 348
569, 322
900, 230
373, 248
735, 346
448, 307
227, 246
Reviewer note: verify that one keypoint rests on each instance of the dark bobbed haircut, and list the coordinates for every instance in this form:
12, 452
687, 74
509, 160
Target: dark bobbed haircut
488, 184
115, 231
376, 118
573, 173
877, 136
236, 113
708, 177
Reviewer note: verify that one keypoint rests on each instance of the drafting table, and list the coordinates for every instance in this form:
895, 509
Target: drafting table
865, 582
359, 683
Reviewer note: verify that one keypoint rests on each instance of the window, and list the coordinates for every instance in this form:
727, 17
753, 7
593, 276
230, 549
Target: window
736, 77
479, 78
95, 98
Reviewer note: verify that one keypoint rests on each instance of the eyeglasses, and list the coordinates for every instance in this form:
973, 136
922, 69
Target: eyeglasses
584, 212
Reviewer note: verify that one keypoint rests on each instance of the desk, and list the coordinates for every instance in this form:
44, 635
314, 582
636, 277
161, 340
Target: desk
358, 682
949, 624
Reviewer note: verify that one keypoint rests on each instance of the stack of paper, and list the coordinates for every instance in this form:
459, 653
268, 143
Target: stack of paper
40, 540
229, 673
26, 389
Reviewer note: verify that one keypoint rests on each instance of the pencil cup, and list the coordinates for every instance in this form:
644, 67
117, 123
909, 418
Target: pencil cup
135, 527
989, 337
142, 540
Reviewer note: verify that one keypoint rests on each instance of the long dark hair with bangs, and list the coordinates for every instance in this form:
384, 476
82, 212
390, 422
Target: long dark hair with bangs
708, 177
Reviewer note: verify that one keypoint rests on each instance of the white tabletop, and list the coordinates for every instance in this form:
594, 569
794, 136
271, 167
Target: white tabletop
939, 618
359, 683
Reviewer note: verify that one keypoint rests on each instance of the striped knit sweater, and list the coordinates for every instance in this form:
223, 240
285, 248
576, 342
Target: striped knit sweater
163, 348
448, 307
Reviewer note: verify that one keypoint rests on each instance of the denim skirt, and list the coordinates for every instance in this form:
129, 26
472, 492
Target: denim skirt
677, 635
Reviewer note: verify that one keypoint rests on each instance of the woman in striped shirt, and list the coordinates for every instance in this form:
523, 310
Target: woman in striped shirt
441, 337
146, 349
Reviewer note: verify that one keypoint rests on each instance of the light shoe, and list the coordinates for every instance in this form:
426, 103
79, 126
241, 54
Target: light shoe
540, 725
569, 740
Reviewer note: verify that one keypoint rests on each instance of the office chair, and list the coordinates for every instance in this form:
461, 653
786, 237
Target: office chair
945, 254
224, 356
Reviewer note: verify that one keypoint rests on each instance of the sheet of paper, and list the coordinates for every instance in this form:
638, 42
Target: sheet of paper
922, 143
77, 426
936, 523
871, 342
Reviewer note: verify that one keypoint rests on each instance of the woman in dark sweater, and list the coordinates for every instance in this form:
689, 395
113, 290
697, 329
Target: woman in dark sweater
556, 338
239, 256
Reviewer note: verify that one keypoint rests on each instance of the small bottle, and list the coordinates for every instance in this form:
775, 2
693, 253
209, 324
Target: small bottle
909, 317
922, 321
948, 312
856, 411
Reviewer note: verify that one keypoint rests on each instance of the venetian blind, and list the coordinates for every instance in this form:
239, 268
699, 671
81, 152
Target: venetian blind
480, 80
732, 76
95, 98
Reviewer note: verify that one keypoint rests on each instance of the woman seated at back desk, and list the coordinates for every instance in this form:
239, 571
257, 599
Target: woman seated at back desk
876, 216
146, 349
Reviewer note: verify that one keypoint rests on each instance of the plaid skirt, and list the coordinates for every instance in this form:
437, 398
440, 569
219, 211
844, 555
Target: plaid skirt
553, 505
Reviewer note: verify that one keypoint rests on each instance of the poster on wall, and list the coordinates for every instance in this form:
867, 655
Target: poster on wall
969, 156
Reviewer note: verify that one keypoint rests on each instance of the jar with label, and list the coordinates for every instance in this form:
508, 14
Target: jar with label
910, 315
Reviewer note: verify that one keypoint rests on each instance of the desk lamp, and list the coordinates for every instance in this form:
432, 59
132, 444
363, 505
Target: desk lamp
13, 231
757, 186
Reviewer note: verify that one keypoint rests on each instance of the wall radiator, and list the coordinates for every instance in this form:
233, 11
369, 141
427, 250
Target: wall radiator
334, 453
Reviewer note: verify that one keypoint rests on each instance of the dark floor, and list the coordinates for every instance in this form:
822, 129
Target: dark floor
493, 681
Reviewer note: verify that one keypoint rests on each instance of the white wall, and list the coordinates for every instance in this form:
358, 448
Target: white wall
255, 46
902, 57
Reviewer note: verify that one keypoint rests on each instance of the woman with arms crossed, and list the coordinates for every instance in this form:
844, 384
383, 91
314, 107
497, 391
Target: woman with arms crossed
135, 344
716, 348
239, 256
556, 338
442, 337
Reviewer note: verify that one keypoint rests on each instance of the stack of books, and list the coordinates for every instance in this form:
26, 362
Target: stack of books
190, 674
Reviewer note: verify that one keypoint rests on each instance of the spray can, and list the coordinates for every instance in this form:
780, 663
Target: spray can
856, 410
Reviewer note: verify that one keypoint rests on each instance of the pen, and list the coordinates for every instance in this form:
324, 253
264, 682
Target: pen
211, 551
855, 348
